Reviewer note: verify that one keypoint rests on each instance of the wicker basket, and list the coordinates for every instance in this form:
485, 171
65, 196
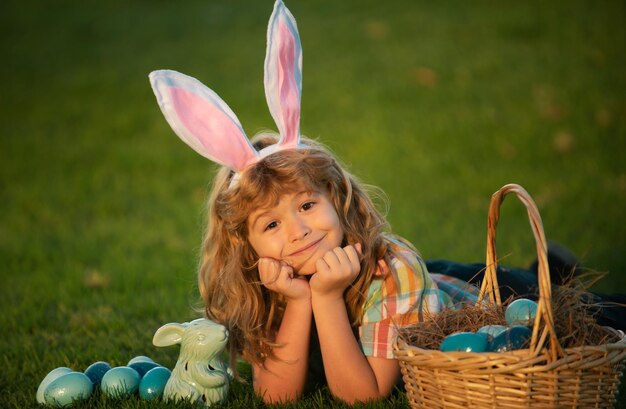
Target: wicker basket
543, 376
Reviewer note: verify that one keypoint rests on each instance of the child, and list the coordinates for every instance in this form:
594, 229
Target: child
312, 248
297, 262
295, 246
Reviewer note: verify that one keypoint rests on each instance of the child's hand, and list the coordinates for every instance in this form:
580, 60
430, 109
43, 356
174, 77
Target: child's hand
336, 271
278, 276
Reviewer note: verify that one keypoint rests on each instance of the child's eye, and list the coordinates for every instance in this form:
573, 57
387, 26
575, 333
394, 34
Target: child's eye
308, 205
271, 226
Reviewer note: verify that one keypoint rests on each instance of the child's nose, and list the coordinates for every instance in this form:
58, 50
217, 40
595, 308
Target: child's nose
298, 230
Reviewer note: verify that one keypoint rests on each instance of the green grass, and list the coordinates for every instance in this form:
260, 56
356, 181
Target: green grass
438, 103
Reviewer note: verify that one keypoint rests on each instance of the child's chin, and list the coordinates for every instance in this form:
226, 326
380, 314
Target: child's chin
306, 271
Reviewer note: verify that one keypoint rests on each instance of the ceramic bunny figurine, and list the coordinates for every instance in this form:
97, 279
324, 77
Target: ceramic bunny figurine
200, 373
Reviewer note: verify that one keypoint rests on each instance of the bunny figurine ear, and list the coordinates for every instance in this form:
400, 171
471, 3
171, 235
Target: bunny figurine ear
169, 334
202, 120
283, 74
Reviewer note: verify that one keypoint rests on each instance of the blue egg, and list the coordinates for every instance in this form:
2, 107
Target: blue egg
492, 330
68, 388
120, 382
516, 337
139, 358
52, 375
142, 367
521, 312
465, 342
153, 383
96, 371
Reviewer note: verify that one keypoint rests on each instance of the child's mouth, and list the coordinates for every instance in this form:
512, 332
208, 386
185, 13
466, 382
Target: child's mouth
306, 248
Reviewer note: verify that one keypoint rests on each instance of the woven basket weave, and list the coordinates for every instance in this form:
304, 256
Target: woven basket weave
543, 376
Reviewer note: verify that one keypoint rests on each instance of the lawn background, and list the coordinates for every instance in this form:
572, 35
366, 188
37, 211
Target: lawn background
438, 103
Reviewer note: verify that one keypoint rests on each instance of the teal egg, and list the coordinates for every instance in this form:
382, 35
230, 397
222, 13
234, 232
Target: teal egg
52, 375
139, 358
68, 388
465, 342
513, 338
153, 383
120, 382
96, 371
142, 367
492, 330
521, 312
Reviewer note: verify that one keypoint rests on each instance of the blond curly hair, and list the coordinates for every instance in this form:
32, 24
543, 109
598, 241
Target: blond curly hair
228, 278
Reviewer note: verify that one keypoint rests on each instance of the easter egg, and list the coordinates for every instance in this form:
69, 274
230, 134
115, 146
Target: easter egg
521, 312
153, 383
513, 338
142, 367
52, 375
139, 358
96, 371
465, 342
120, 382
492, 330
68, 388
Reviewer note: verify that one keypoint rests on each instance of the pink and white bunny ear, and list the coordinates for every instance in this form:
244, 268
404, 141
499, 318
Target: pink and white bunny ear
202, 120
283, 74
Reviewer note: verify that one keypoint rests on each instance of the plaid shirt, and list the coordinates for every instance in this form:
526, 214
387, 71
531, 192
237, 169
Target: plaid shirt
405, 296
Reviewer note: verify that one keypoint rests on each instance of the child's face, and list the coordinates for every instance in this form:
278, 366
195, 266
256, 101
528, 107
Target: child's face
300, 229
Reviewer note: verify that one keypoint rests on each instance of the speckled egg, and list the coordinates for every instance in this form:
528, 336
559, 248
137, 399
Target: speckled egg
142, 367
96, 371
153, 383
465, 342
513, 338
492, 330
140, 358
120, 382
521, 312
52, 375
68, 388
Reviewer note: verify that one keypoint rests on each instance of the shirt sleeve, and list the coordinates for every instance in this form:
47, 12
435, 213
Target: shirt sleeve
405, 296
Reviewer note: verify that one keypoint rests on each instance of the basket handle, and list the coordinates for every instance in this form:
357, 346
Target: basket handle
544, 334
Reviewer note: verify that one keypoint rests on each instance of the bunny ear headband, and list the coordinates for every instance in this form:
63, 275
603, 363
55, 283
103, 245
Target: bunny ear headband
204, 122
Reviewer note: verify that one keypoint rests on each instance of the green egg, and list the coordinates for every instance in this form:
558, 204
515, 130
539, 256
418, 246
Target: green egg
140, 358
120, 382
68, 388
96, 371
142, 367
492, 330
52, 375
465, 342
153, 383
521, 312
516, 337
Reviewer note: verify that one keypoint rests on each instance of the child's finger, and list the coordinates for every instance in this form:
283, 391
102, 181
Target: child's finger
269, 270
332, 260
358, 247
321, 266
339, 263
286, 271
352, 254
